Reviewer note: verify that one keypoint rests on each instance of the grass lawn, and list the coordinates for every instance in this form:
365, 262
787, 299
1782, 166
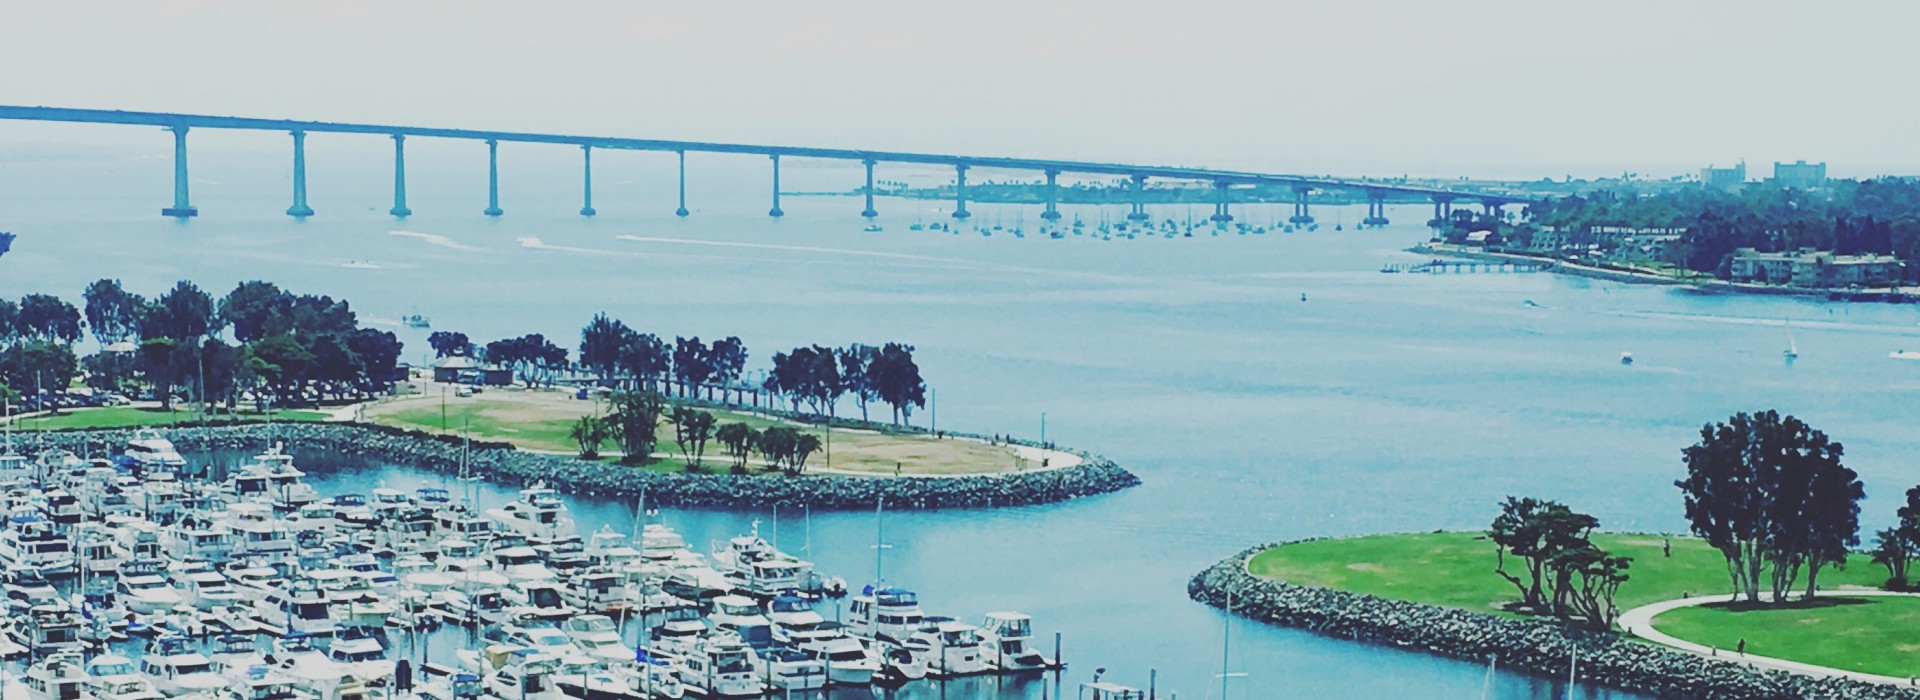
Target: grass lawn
543, 420
1869, 635
128, 417
1455, 569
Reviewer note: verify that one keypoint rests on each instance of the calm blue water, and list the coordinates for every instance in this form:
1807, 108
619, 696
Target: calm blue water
1381, 403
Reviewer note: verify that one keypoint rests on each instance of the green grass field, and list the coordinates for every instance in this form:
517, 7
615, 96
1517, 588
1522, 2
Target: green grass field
1869, 635
1455, 569
130, 417
544, 420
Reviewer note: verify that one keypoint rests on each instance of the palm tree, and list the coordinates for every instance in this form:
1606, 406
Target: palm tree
589, 432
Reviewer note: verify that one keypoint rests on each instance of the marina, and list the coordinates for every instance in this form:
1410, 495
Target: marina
247, 581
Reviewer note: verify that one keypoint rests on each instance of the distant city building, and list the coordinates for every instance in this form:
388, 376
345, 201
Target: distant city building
1724, 178
1812, 269
1800, 175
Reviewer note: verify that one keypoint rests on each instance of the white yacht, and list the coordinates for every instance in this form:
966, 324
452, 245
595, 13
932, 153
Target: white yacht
258, 533
599, 638
115, 677
758, 568
207, 589
56, 677
176, 669
300, 609
50, 629
521, 564
677, 638
34, 546
538, 514
151, 452
793, 618
545, 640
359, 649
1007, 638
742, 616
542, 600
949, 648
287, 488
847, 661
601, 592
144, 591
887, 615
720, 666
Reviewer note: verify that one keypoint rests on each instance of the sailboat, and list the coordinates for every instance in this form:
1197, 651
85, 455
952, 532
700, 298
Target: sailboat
1793, 351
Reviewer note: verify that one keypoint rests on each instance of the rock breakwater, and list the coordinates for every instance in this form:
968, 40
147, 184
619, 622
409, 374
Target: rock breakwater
1535, 646
500, 463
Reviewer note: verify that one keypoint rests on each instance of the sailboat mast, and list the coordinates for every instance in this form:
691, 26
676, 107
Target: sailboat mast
1226, 644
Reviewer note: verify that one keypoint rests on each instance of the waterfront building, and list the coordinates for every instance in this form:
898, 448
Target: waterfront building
1812, 269
459, 369
1724, 178
1799, 175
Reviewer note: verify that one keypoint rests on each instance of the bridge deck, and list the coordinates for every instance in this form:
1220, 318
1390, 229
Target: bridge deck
166, 119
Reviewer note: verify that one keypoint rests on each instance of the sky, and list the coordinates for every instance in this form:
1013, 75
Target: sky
1481, 88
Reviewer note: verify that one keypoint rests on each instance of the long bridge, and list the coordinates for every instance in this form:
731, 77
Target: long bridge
1222, 180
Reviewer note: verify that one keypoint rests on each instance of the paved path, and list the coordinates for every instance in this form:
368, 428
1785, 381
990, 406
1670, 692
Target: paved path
1639, 623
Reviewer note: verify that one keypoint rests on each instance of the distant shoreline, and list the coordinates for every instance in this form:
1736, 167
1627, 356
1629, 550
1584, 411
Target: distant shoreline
1892, 295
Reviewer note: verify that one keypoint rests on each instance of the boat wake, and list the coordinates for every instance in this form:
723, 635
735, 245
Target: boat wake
437, 239
535, 243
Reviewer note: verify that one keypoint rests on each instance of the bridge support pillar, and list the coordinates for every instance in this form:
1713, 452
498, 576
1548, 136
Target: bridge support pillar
1376, 209
960, 193
182, 208
1301, 214
586, 188
682, 211
1220, 214
869, 211
1053, 197
775, 211
493, 179
400, 177
1138, 211
299, 208
1493, 208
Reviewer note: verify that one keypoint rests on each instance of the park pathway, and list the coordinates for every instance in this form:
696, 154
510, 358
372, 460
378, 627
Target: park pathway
1639, 623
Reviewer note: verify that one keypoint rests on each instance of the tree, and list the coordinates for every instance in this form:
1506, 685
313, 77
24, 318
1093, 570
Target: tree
1589, 579
635, 416
809, 376
1770, 491
728, 356
739, 441
113, 314
601, 344
897, 381
45, 317
252, 307
449, 343
1537, 531
9, 317
183, 313
160, 362
378, 355
1892, 550
856, 361
589, 433
645, 358
777, 445
692, 364
691, 429
803, 446
35, 366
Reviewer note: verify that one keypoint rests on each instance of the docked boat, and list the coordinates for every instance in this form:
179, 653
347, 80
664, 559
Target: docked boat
148, 451
949, 648
599, 638
542, 600
1007, 638
847, 661
742, 616
115, 677
301, 609
538, 514
144, 591
889, 615
757, 568
720, 666
176, 669
33, 546
49, 629
59, 676
790, 669
360, 650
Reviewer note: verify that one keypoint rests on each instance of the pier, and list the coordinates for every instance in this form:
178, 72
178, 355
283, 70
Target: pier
1442, 267
180, 124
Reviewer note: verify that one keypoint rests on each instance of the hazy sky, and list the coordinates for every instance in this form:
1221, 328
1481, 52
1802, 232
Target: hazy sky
1522, 88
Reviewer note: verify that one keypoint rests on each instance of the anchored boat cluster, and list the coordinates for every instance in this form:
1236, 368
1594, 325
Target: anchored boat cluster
134, 578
